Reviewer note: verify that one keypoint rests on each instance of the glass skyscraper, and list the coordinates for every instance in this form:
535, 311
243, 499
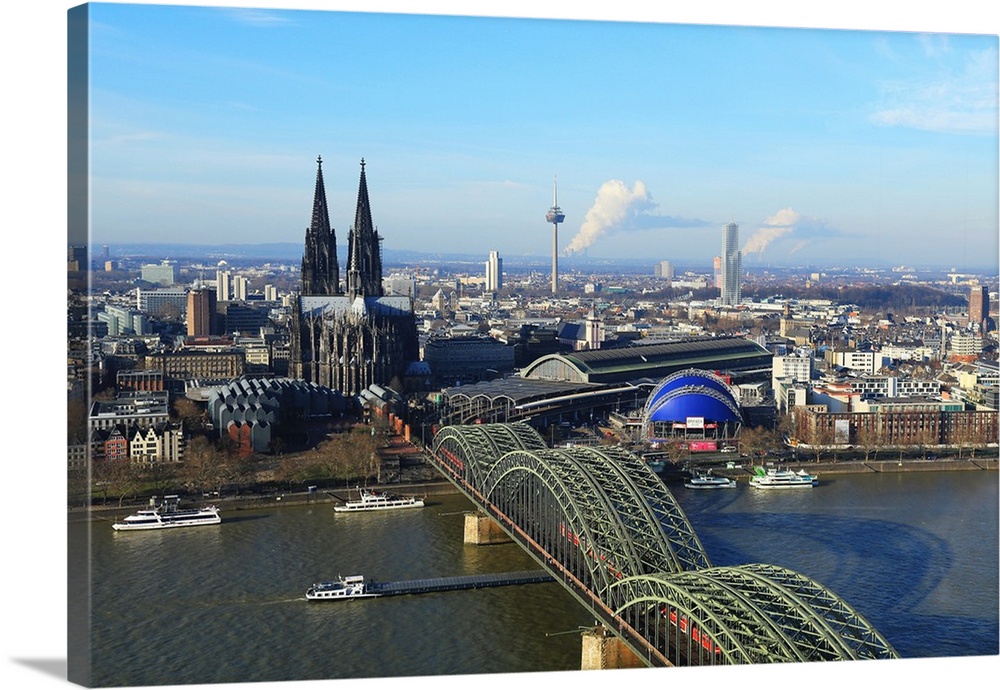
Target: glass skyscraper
731, 264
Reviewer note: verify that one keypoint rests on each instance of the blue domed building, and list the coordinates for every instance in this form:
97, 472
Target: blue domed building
694, 405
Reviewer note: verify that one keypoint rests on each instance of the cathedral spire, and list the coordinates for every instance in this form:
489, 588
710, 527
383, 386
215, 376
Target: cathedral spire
363, 213
364, 248
320, 269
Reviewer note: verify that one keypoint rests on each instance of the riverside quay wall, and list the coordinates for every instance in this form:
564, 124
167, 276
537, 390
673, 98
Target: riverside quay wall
875, 466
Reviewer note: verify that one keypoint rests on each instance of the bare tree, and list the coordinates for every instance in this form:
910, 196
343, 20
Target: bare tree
190, 413
119, 478
871, 438
677, 451
160, 475
235, 469
784, 425
201, 465
755, 440
823, 439
295, 469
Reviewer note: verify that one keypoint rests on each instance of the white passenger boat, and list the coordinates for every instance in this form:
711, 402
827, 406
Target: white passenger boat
168, 514
782, 479
379, 500
350, 587
709, 481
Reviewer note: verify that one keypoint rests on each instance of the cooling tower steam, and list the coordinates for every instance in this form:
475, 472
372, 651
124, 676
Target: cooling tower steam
616, 208
780, 224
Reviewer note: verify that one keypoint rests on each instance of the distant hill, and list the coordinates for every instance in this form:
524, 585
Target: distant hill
292, 252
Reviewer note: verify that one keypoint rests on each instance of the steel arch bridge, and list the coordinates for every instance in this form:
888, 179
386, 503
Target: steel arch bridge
604, 525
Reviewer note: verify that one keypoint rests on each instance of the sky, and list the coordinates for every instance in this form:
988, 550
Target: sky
823, 145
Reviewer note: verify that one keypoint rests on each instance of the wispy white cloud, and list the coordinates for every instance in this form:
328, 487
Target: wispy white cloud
934, 45
963, 102
258, 17
127, 138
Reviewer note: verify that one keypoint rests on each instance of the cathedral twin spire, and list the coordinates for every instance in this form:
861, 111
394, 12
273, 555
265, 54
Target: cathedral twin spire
320, 268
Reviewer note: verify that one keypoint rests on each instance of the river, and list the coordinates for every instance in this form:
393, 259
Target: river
915, 553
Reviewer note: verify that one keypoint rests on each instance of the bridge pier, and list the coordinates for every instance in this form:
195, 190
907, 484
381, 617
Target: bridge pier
482, 530
602, 650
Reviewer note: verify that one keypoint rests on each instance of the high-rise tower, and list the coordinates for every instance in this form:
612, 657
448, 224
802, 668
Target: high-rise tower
555, 216
731, 265
201, 312
223, 285
494, 272
979, 306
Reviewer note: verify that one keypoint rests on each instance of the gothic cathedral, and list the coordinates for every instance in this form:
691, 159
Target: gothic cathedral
348, 339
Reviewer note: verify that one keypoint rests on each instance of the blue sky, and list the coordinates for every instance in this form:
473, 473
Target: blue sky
823, 145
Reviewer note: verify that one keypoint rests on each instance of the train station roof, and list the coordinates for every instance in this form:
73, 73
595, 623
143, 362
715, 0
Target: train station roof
621, 364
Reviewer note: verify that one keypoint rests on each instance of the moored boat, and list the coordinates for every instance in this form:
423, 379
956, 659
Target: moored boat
709, 481
379, 500
341, 589
782, 479
168, 514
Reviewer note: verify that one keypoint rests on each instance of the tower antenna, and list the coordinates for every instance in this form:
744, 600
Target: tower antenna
555, 216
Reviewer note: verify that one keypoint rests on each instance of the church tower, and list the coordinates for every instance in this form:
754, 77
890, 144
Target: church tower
320, 270
594, 329
348, 339
364, 249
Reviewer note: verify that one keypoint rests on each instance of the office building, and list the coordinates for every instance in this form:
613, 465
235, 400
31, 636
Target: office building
730, 265
664, 270
163, 273
123, 321
797, 367
223, 286
494, 272
162, 302
179, 368
241, 287
201, 312
979, 306
245, 318
965, 345
400, 285
467, 359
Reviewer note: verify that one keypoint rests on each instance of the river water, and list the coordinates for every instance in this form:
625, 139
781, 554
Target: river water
915, 553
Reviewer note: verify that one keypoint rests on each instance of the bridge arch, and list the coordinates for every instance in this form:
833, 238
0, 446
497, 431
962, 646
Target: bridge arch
469, 451
605, 525
754, 613
611, 503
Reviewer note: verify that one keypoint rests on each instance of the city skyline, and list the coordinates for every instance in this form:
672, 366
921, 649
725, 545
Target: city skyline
820, 144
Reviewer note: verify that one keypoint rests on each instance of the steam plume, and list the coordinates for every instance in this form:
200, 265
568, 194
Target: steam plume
616, 208
780, 224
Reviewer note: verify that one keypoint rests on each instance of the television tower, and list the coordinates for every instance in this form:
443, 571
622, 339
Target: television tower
555, 216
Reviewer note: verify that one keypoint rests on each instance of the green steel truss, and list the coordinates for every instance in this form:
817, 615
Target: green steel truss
746, 614
605, 525
470, 451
